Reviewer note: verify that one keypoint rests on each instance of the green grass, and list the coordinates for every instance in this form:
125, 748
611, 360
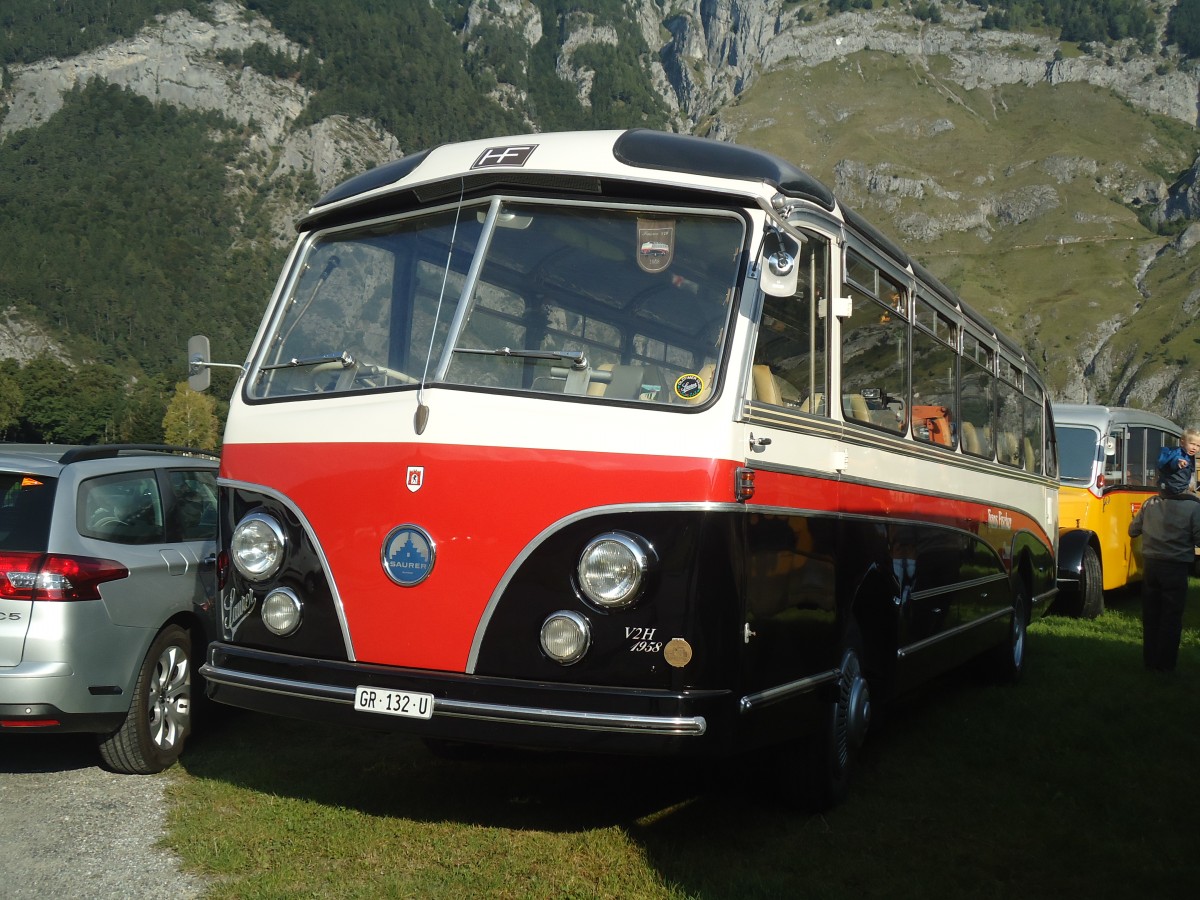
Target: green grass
1082, 781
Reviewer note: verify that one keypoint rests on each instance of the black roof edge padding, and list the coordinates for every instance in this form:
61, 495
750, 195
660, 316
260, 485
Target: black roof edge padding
109, 451
646, 149
934, 283
374, 178
877, 237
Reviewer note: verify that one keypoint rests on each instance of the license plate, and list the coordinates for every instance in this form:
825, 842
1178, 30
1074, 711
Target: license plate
410, 704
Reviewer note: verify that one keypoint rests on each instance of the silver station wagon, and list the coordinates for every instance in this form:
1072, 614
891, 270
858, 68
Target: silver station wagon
107, 574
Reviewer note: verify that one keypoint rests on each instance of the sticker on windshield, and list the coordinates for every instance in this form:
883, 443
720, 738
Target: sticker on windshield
689, 387
656, 244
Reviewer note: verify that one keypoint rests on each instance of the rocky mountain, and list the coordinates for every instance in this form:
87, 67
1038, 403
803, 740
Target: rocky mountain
968, 144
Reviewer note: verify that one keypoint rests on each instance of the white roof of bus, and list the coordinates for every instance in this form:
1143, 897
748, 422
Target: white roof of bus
588, 154
1104, 418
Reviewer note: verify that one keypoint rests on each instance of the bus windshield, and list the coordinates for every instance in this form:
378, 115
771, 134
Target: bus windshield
1077, 452
616, 302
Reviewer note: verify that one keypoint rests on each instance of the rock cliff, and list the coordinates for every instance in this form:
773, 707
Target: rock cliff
701, 56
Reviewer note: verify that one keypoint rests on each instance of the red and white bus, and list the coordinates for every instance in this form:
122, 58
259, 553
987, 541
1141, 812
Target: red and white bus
622, 441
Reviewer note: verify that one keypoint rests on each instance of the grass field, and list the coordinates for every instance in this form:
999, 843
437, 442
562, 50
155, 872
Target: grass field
1081, 781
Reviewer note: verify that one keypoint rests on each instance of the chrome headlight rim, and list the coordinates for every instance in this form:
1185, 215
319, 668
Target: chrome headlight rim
282, 604
272, 560
640, 557
583, 629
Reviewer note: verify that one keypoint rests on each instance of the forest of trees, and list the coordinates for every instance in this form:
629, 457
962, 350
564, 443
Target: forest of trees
1079, 21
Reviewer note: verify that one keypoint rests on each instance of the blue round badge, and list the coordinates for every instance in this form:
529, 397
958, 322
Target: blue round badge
407, 555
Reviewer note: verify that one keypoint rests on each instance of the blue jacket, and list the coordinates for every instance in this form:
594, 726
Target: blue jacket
1170, 475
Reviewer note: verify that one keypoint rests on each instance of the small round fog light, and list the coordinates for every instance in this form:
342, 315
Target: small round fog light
566, 636
281, 612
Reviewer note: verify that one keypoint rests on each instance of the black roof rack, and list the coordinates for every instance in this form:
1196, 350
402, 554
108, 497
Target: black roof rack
109, 451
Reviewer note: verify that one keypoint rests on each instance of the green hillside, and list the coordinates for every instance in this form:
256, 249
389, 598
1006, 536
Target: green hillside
1055, 266
128, 225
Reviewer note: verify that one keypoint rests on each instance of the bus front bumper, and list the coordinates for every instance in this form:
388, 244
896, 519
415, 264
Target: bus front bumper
471, 707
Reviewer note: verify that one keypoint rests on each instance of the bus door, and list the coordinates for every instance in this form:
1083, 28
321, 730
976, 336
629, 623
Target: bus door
791, 524
1117, 558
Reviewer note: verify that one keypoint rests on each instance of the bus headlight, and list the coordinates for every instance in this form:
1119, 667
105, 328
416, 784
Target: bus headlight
257, 546
281, 612
566, 636
612, 570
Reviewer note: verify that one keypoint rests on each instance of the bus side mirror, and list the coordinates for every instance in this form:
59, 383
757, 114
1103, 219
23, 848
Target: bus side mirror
199, 374
200, 365
1110, 446
779, 273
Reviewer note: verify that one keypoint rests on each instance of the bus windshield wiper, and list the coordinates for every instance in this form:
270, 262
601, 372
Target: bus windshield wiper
296, 362
576, 358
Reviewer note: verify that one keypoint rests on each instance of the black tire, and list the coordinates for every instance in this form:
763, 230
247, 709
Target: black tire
160, 715
829, 755
1091, 585
1007, 662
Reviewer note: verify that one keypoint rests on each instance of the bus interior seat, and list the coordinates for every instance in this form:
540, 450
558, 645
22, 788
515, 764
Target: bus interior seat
1008, 451
970, 439
598, 388
859, 409
707, 374
548, 384
766, 388
1028, 455
629, 382
814, 404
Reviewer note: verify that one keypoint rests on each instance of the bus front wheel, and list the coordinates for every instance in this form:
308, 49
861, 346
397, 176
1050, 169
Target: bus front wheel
1091, 585
830, 753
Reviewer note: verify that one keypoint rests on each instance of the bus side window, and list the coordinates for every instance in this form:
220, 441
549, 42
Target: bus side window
978, 393
874, 349
789, 356
1137, 457
935, 365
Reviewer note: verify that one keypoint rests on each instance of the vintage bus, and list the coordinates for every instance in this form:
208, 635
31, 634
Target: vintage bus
1108, 461
622, 441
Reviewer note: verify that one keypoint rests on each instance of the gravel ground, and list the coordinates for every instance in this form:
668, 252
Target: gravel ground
73, 831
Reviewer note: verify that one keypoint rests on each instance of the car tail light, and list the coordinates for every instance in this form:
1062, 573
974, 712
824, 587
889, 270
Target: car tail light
48, 576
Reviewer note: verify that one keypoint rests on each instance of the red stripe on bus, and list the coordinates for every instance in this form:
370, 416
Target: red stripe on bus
481, 506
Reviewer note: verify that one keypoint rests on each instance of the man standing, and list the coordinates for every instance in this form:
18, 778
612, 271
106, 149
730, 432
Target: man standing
1170, 528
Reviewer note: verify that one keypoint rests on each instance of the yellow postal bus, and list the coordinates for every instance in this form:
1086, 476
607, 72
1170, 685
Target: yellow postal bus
1108, 468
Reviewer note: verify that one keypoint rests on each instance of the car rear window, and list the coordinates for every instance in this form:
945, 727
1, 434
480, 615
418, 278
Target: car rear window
26, 502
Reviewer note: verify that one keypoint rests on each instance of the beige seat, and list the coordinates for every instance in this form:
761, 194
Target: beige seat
970, 439
599, 388
707, 374
766, 388
814, 404
859, 409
